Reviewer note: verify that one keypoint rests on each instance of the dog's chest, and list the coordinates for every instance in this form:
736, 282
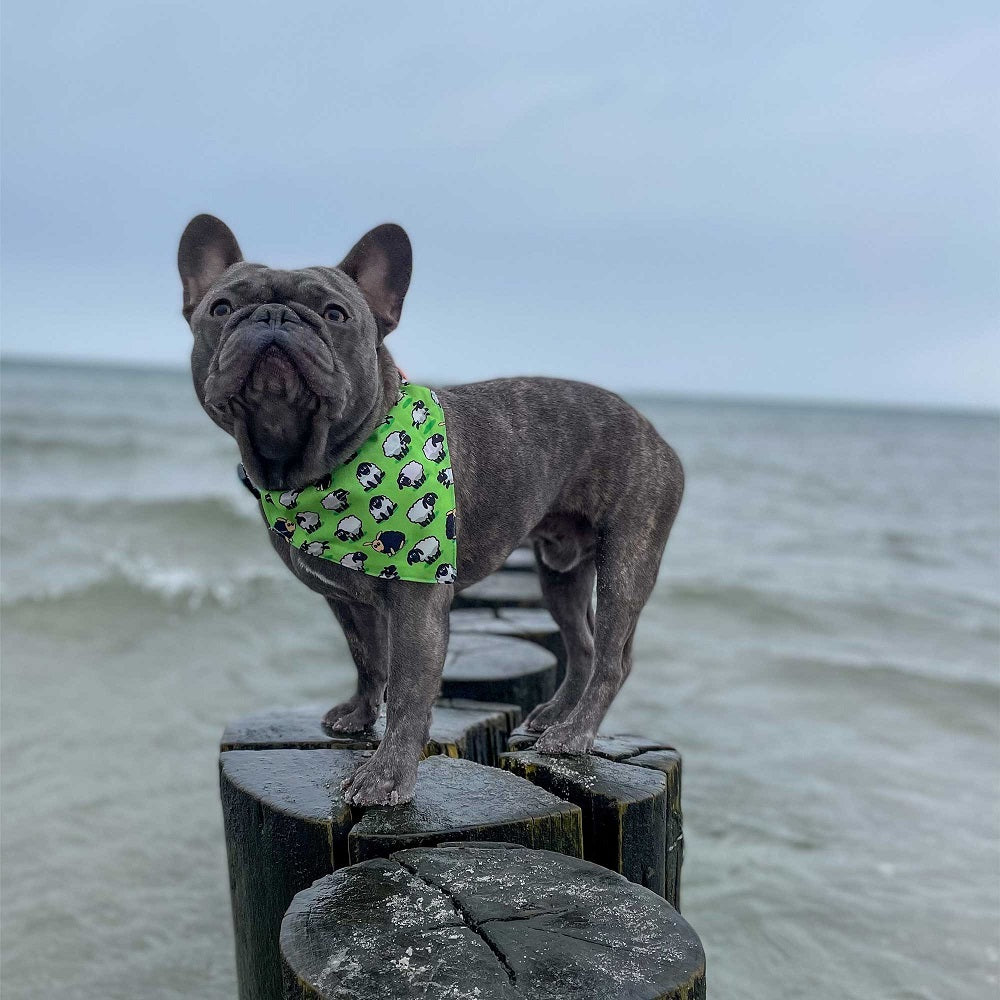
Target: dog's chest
388, 511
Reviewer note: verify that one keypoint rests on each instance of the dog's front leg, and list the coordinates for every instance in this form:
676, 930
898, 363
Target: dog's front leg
367, 636
418, 640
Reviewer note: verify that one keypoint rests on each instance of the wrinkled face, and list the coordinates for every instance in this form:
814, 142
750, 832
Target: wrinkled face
288, 361
281, 360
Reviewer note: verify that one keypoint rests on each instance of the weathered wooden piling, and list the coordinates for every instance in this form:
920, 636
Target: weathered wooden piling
402, 908
668, 761
287, 824
532, 624
629, 789
503, 590
521, 560
498, 669
277, 844
459, 800
477, 921
472, 730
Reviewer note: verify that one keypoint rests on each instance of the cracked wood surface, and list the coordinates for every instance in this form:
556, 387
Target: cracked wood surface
480, 921
287, 825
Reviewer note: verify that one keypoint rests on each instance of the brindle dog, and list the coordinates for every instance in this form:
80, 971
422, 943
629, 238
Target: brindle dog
294, 365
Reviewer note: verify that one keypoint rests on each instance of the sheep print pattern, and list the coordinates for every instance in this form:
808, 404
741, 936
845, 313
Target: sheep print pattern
389, 510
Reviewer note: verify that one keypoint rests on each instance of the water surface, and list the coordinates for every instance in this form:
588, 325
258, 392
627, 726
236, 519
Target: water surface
822, 647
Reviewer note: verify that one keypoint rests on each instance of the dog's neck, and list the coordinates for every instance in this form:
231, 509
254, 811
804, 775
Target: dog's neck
349, 441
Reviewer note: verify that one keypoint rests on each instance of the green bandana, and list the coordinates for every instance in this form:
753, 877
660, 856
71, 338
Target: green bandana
389, 510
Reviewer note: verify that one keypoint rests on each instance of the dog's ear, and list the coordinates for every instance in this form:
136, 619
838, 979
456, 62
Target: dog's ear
207, 249
380, 265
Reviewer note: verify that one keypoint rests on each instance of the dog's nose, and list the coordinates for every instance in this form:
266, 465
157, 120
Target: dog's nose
274, 314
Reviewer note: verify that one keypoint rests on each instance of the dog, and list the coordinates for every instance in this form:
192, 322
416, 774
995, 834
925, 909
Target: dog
294, 365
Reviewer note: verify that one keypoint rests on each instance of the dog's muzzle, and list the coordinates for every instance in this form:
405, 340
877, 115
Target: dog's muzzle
270, 352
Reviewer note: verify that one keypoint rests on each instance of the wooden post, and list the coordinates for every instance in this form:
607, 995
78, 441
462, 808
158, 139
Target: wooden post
502, 590
278, 846
498, 669
668, 762
287, 825
533, 624
459, 800
521, 560
487, 921
629, 789
459, 728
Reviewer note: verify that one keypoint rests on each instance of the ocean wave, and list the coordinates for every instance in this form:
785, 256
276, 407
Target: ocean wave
766, 607
208, 514
891, 677
832, 608
25, 444
183, 553
53, 445
130, 588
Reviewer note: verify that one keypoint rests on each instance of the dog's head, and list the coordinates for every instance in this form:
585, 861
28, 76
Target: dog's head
291, 363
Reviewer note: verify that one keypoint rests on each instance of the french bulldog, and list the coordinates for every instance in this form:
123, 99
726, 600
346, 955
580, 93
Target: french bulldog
294, 365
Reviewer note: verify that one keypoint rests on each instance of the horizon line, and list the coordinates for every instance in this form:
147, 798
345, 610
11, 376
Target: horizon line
969, 409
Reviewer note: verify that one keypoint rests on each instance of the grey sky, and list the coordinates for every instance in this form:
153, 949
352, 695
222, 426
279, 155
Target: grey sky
790, 199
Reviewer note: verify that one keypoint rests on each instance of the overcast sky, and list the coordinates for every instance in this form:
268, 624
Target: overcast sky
778, 199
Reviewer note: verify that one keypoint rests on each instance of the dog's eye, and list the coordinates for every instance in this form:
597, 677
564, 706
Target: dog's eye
334, 314
221, 308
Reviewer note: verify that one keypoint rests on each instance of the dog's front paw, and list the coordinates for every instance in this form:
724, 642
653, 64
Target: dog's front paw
351, 716
382, 780
542, 716
566, 739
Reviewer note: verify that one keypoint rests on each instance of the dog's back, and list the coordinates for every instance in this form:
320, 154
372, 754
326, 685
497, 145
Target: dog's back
561, 458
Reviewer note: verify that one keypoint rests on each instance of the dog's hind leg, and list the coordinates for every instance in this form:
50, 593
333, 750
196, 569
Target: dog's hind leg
367, 635
569, 598
626, 574
630, 540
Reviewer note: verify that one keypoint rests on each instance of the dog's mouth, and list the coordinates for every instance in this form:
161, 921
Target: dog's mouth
276, 421
277, 389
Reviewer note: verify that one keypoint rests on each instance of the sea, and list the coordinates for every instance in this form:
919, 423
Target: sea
822, 646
